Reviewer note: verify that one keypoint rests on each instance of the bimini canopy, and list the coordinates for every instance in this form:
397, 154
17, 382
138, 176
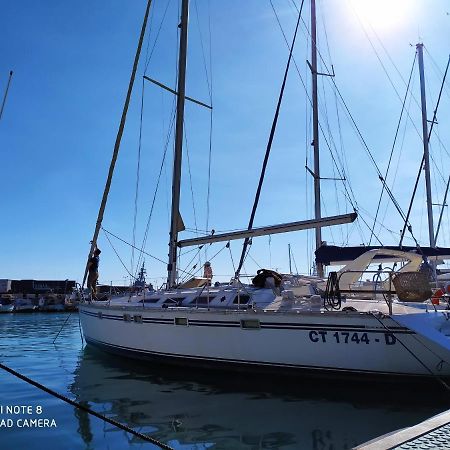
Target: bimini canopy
330, 255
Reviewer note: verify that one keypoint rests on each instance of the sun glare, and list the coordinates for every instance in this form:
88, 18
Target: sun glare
383, 15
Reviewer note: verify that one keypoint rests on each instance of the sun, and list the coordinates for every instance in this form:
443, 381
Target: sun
383, 15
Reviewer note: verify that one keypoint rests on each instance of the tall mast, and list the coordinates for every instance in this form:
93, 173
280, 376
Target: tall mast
290, 265
426, 153
317, 209
112, 165
176, 181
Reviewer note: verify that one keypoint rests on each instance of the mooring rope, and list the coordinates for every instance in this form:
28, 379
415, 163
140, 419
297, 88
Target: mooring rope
434, 376
85, 408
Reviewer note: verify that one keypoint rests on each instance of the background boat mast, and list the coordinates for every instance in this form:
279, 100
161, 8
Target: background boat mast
176, 180
315, 106
426, 153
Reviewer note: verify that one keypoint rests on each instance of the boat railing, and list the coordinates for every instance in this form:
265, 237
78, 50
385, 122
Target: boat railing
407, 286
376, 287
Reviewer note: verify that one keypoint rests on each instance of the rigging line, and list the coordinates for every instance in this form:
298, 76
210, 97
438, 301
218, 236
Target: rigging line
269, 146
150, 28
249, 256
117, 142
393, 63
352, 202
437, 67
330, 134
190, 251
398, 163
142, 251
138, 171
194, 257
84, 408
393, 144
325, 209
192, 274
371, 157
156, 38
438, 170
380, 223
202, 47
6, 93
303, 82
392, 84
190, 177
166, 146
208, 193
341, 143
231, 256
437, 377
423, 157
378, 55
439, 100
348, 111
120, 259
295, 264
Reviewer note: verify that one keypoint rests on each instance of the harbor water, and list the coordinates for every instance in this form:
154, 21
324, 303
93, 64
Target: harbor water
183, 408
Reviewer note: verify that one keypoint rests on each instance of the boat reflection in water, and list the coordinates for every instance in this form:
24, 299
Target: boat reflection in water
194, 410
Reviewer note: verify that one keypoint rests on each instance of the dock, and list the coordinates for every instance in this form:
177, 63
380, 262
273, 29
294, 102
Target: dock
433, 433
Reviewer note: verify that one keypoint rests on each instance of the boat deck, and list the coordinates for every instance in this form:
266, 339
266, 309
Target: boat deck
283, 305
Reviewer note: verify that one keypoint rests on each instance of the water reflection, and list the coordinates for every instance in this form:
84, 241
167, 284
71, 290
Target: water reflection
195, 410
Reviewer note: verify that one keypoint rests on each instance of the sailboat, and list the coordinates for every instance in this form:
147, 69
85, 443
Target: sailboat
308, 324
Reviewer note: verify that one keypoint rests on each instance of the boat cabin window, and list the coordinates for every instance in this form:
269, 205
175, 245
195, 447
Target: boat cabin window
241, 299
181, 321
149, 300
174, 301
203, 300
250, 324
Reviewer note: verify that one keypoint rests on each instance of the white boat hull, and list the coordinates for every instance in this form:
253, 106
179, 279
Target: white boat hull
334, 341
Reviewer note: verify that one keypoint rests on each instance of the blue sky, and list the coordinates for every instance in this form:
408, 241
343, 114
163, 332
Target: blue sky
72, 62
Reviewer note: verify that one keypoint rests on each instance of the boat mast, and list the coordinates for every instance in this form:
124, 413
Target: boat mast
315, 105
176, 181
112, 165
426, 153
290, 265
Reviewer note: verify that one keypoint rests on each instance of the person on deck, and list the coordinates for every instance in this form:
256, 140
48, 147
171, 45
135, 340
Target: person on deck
207, 272
94, 261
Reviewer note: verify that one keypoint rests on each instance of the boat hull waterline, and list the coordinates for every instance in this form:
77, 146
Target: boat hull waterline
335, 341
